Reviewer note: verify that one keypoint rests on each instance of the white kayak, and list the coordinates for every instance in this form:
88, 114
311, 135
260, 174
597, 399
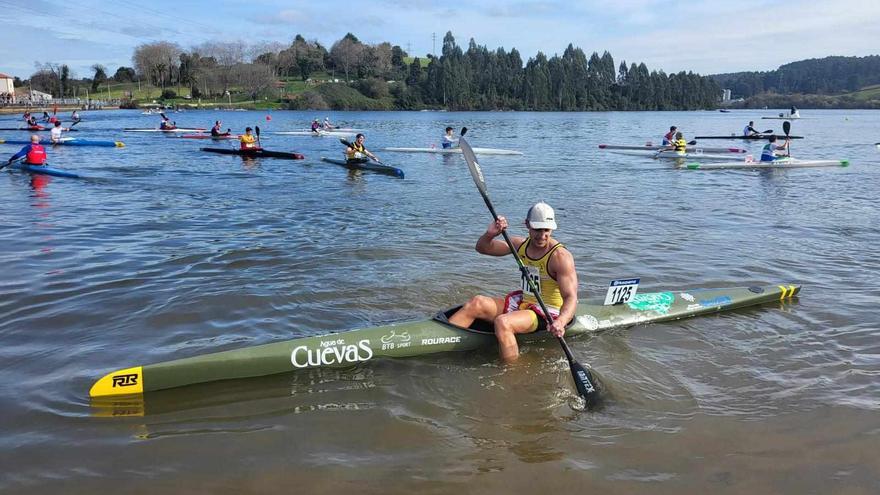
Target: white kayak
179, 129
478, 151
784, 117
652, 147
316, 134
672, 155
780, 163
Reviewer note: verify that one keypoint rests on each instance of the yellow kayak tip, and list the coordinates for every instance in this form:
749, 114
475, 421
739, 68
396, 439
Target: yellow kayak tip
121, 382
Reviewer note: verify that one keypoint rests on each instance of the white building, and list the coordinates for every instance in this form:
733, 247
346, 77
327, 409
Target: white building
7, 89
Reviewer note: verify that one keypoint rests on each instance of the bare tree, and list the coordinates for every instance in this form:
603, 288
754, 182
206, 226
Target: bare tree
346, 53
157, 61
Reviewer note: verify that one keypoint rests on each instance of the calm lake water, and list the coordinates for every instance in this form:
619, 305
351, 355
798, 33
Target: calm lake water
168, 252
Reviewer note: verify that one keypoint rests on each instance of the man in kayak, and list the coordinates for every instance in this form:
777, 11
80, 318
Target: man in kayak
794, 112
749, 130
326, 125
551, 268
357, 152
449, 140
32, 123
247, 140
768, 154
33, 153
55, 133
167, 124
679, 145
316, 126
75, 117
215, 131
669, 137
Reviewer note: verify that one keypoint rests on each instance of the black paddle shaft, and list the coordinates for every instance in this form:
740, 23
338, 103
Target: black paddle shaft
786, 128
582, 377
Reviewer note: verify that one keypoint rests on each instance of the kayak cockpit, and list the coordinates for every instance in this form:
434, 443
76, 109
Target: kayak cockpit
478, 326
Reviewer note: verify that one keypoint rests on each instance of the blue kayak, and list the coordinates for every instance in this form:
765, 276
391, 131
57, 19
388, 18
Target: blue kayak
70, 142
45, 170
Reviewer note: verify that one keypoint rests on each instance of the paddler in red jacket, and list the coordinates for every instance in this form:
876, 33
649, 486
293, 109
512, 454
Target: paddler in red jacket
34, 153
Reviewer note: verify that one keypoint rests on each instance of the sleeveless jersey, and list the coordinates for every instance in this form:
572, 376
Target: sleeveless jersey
539, 274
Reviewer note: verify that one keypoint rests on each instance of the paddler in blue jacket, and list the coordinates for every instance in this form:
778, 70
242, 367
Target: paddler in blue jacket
551, 268
449, 140
33, 153
768, 154
167, 124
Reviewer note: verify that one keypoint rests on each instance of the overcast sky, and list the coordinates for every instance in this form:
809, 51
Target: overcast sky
708, 36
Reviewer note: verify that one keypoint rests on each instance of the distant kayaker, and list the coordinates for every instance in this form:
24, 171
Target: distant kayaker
55, 133
449, 140
749, 130
679, 144
27, 116
316, 126
357, 152
768, 154
794, 112
75, 116
551, 268
247, 140
167, 124
669, 137
326, 125
45, 116
33, 153
32, 123
215, 131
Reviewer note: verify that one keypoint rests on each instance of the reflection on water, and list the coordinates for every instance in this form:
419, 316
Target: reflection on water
168, 252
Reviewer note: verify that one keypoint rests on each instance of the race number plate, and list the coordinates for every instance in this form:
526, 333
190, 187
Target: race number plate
621, 291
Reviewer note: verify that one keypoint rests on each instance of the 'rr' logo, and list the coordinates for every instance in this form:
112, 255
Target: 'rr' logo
125, 380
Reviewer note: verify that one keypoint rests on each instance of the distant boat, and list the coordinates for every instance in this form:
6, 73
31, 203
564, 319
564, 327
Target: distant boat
724, 110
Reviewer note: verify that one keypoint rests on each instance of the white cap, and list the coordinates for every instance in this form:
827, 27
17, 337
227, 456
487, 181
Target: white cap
541, 217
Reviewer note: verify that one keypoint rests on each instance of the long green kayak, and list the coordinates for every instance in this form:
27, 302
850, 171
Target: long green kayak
778, 163
418, 338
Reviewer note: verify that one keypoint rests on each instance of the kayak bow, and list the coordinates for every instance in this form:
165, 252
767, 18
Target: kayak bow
418, 338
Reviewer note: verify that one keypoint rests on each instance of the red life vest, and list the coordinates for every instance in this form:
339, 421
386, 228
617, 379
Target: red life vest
37, 155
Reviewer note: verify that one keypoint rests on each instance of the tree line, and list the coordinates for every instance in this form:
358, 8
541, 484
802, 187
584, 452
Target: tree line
384, 76
824, 76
